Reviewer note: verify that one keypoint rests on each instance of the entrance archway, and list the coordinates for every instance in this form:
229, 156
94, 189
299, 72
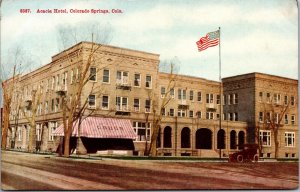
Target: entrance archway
167, 137
221, 139
185, 137
203, 138
233, 139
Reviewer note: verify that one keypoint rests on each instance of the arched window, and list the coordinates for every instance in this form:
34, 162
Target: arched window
168, 137
185, 138
221, 139
203, 139
241, 139
233, 139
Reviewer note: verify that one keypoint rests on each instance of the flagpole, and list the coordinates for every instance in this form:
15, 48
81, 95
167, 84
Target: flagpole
220, 88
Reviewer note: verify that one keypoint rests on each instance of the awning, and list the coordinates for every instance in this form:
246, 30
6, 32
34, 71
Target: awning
98, 127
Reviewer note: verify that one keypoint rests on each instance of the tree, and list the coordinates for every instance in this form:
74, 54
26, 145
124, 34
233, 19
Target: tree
8, 88
158, 106
20, 60
273, 121
32, 107
75, 103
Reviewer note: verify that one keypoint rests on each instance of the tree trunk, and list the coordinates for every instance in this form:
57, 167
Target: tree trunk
5, 128
32, 137
276, 143
67, 139
152, 149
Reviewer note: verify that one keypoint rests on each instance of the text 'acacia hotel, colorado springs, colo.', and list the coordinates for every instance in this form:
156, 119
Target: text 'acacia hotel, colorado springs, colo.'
126, 85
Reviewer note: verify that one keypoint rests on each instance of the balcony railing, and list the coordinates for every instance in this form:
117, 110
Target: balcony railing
123, 83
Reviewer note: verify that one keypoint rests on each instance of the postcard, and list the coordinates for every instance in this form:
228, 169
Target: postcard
149, 95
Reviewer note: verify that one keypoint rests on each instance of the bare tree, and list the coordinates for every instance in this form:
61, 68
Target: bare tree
8, 88
273, 121
30, 114
21, 60
159, 105
75, 104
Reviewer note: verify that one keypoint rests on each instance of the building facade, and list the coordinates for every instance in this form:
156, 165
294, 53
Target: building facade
126, 84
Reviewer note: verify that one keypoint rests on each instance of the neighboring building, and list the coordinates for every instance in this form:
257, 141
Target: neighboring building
126, 84
266, 99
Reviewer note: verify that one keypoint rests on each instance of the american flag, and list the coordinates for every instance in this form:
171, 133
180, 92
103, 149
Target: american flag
210, 40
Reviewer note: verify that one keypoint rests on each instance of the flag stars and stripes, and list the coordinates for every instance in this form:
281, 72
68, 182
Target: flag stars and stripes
210, 40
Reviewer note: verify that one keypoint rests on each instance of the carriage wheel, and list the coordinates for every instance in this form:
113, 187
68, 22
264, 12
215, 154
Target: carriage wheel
240, 158
255, 158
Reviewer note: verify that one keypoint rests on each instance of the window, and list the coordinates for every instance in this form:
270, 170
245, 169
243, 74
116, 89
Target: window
40, 109
65, 80
72, 76
235, 98
199, 114
105, 78
163, 92
172, 112
142, 130
39, 132
209, 98
218, 99
53, 83
265, 137
163, 111
191, 95
218, 116
181, 94
148, 81
172, 92
277, 98
286, 119
56, 105
293, 119
268, 97
276, 117
93, 73
285, 99
292, 100
224, 100
57, 80
181, 113
122, 77
261, 116
52, 127
289, 139
199, 96
136, 104
77, 74
191, 113
230, 116
260, 96
92, 101
105, 102
137, 80
224, 116
268, 117
209, 115
122, 103
147, 106
52, 105
236, 117
19, 133
48, 85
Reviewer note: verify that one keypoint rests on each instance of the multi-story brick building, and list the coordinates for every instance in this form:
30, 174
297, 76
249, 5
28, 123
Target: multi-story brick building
126, 84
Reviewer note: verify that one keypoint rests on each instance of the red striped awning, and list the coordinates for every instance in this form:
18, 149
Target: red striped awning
98, 127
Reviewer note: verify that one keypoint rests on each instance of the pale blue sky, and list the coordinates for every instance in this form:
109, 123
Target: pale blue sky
256, 36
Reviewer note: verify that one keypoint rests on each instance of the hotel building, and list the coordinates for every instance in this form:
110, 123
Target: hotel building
126, 84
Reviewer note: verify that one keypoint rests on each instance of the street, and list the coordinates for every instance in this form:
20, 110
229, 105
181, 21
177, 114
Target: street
24, 171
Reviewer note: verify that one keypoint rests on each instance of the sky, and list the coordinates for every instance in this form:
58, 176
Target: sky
256, 36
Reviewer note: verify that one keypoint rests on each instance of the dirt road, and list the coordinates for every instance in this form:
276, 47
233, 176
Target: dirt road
22, 171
